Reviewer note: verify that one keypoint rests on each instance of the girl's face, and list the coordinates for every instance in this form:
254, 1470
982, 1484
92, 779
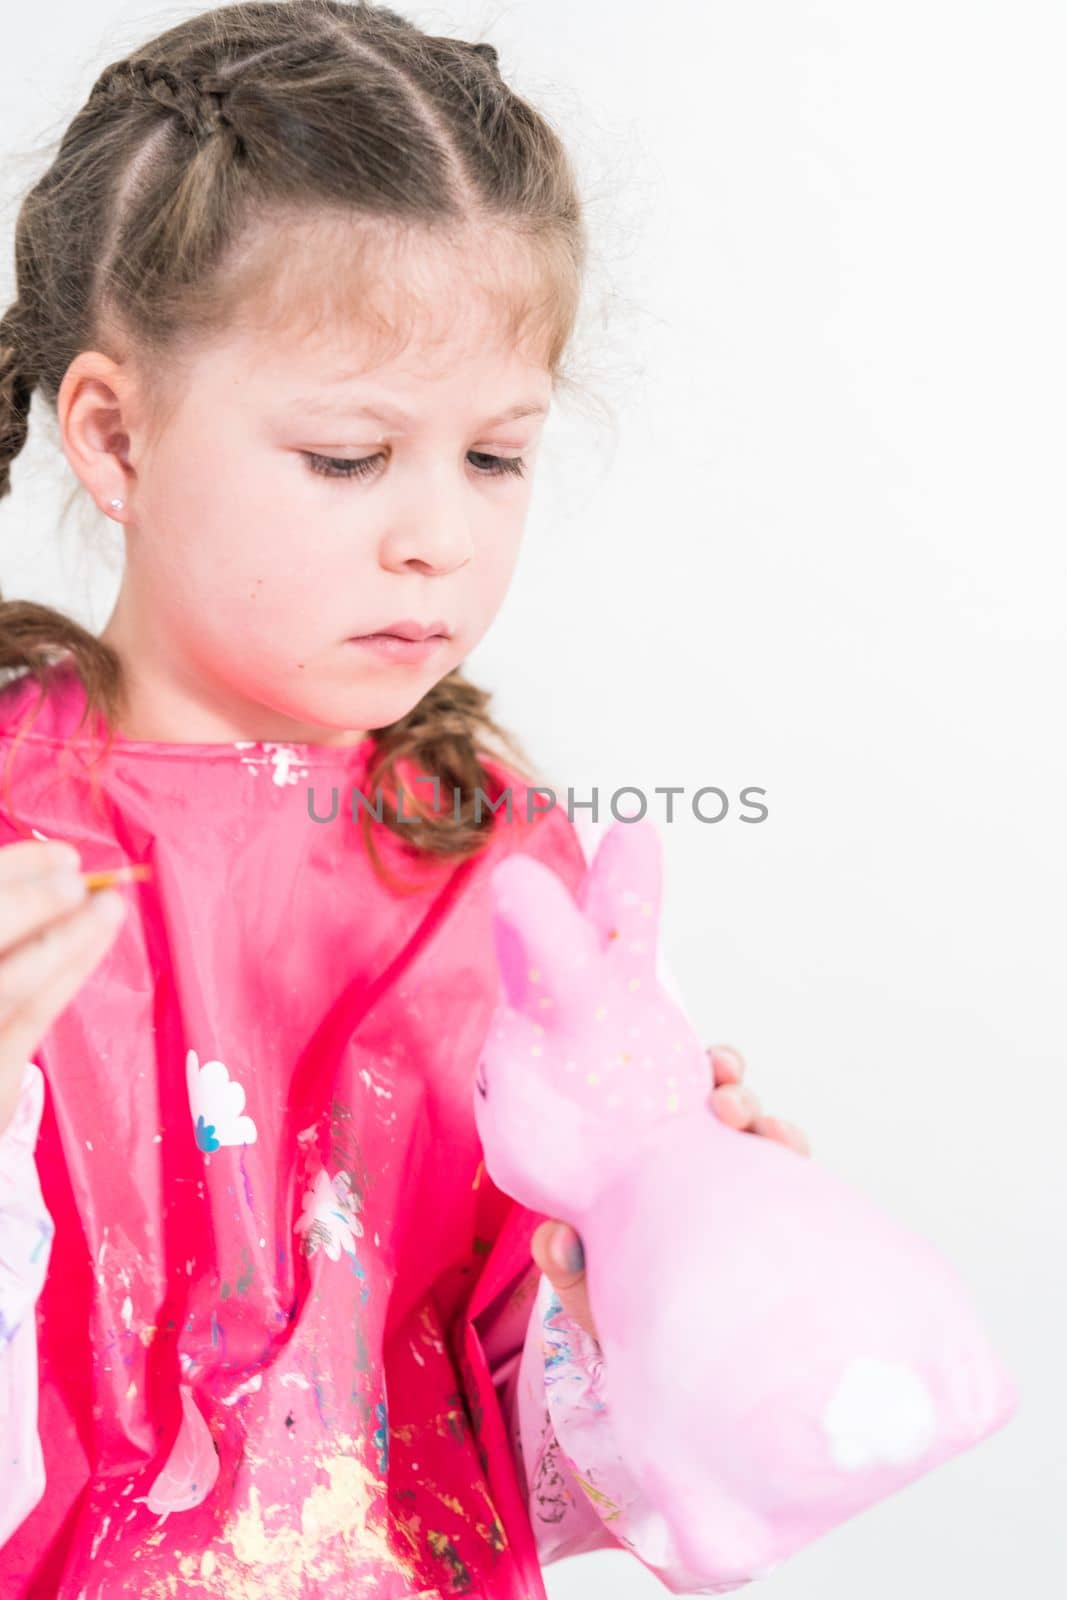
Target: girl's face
276, 517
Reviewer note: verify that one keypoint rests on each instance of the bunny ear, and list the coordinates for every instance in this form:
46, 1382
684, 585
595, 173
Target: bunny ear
620, 894
546, 951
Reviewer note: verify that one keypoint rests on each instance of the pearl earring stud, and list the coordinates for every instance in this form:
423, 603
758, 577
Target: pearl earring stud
116, 505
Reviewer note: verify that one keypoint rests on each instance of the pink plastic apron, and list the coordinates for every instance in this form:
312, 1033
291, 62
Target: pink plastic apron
261, 1371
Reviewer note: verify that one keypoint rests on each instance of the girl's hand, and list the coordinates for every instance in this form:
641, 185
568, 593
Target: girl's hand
52, 935
731, 1101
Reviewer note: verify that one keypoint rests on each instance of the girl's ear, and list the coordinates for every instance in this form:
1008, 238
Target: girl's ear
620, 894
547, 953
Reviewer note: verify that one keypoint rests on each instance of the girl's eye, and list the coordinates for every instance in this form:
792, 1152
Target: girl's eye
364, 466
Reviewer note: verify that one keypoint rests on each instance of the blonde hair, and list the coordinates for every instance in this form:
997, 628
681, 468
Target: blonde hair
165, 217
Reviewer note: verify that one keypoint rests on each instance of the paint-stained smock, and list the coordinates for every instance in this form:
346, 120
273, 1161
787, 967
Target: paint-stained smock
266, 1326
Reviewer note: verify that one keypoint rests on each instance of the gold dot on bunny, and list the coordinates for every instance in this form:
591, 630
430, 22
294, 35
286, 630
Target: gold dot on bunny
614, 934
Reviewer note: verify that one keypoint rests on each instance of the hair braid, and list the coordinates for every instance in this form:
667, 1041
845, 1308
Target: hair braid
17, 383
200, 103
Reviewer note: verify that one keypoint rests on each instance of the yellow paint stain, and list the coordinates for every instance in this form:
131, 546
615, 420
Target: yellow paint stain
609, 1509
493, 1536
634, 983
592, 1077
164, 1588
447, 1424
328, 1509
146, 1335
534, 975
430, 1335
408, 1523
479, 1175
600, 1013
336, 1534
483, 1491
448, 1500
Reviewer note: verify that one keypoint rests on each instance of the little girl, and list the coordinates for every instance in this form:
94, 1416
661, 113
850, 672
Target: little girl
298, 284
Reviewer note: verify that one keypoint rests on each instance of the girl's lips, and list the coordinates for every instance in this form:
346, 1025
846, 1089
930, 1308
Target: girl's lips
391, 648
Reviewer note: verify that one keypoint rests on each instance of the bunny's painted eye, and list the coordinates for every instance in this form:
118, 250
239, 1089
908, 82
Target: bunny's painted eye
480, 1083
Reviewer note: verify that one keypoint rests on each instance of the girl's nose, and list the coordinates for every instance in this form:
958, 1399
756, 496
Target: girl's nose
436, 542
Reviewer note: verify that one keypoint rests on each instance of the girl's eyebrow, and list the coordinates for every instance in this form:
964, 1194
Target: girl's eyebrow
323, 405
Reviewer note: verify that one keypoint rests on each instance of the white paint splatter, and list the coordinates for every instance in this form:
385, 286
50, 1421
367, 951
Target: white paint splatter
369, 1081
98, 1538
880, 1412
282, 758
250, 1386
328, 1218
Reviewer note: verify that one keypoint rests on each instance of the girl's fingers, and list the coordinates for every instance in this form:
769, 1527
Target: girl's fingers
784, 1132
32, 858
735, 1104
44, 972
566, 1271
35, 898
739, 1107
727, 1064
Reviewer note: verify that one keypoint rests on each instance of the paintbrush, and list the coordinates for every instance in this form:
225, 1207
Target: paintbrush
105, 877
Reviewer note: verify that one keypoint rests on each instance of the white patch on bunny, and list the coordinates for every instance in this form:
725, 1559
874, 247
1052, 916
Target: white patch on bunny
881, 1412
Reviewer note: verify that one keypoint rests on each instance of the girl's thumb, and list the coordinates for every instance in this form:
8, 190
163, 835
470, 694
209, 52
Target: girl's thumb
566, 1251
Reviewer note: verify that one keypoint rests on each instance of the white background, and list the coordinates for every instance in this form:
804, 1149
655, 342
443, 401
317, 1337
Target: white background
820, 549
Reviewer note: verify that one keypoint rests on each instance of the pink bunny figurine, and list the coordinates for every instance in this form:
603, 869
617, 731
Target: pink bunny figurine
779, 1353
